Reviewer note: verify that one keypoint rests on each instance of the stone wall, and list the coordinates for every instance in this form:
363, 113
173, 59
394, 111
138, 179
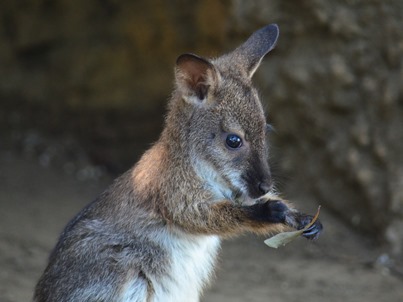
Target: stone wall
335, 93
101, 71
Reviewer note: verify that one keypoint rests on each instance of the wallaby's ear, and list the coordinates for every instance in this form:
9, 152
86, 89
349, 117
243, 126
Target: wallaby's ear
260, 43
194, 77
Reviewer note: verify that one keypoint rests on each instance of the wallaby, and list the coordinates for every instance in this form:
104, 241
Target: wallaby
155, 233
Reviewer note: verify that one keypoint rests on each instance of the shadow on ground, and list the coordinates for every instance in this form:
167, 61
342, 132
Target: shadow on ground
37, 201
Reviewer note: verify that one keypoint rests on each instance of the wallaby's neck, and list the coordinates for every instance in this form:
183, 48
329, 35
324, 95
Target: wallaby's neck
168, 156
175, 135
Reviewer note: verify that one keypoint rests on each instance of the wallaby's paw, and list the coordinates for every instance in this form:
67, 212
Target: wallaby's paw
313, 231
273, 211
277, 211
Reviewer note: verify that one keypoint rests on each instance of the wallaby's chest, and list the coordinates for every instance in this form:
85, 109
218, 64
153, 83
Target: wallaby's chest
192, 262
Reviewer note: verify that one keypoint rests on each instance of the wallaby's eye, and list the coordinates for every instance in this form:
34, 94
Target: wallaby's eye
233, 141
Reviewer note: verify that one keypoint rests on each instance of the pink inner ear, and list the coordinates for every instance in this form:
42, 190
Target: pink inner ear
194, 69
197, 73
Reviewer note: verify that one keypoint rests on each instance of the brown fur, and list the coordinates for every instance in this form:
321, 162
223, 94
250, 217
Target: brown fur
141, 240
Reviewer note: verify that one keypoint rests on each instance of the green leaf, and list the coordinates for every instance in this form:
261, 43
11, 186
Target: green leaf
283, 238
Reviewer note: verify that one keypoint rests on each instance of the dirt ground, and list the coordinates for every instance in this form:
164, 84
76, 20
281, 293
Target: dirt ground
36, 202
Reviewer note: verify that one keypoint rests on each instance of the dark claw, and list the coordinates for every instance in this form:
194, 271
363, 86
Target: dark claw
313, 231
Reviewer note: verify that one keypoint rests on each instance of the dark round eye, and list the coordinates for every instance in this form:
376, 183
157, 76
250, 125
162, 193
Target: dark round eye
233, 141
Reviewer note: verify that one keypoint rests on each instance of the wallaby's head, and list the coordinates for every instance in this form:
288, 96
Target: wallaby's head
217, 119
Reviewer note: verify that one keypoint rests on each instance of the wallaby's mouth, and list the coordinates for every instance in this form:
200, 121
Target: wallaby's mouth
257, 186
237, 195
243, 199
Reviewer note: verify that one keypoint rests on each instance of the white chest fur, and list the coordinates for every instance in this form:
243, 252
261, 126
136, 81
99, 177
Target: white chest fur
192, 263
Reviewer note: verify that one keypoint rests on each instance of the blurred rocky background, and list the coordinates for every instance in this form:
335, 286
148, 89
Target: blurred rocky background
83, 86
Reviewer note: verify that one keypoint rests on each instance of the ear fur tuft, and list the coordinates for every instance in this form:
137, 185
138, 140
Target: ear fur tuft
194, 76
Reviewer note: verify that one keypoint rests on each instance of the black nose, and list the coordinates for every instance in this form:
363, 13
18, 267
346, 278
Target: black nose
264, 187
